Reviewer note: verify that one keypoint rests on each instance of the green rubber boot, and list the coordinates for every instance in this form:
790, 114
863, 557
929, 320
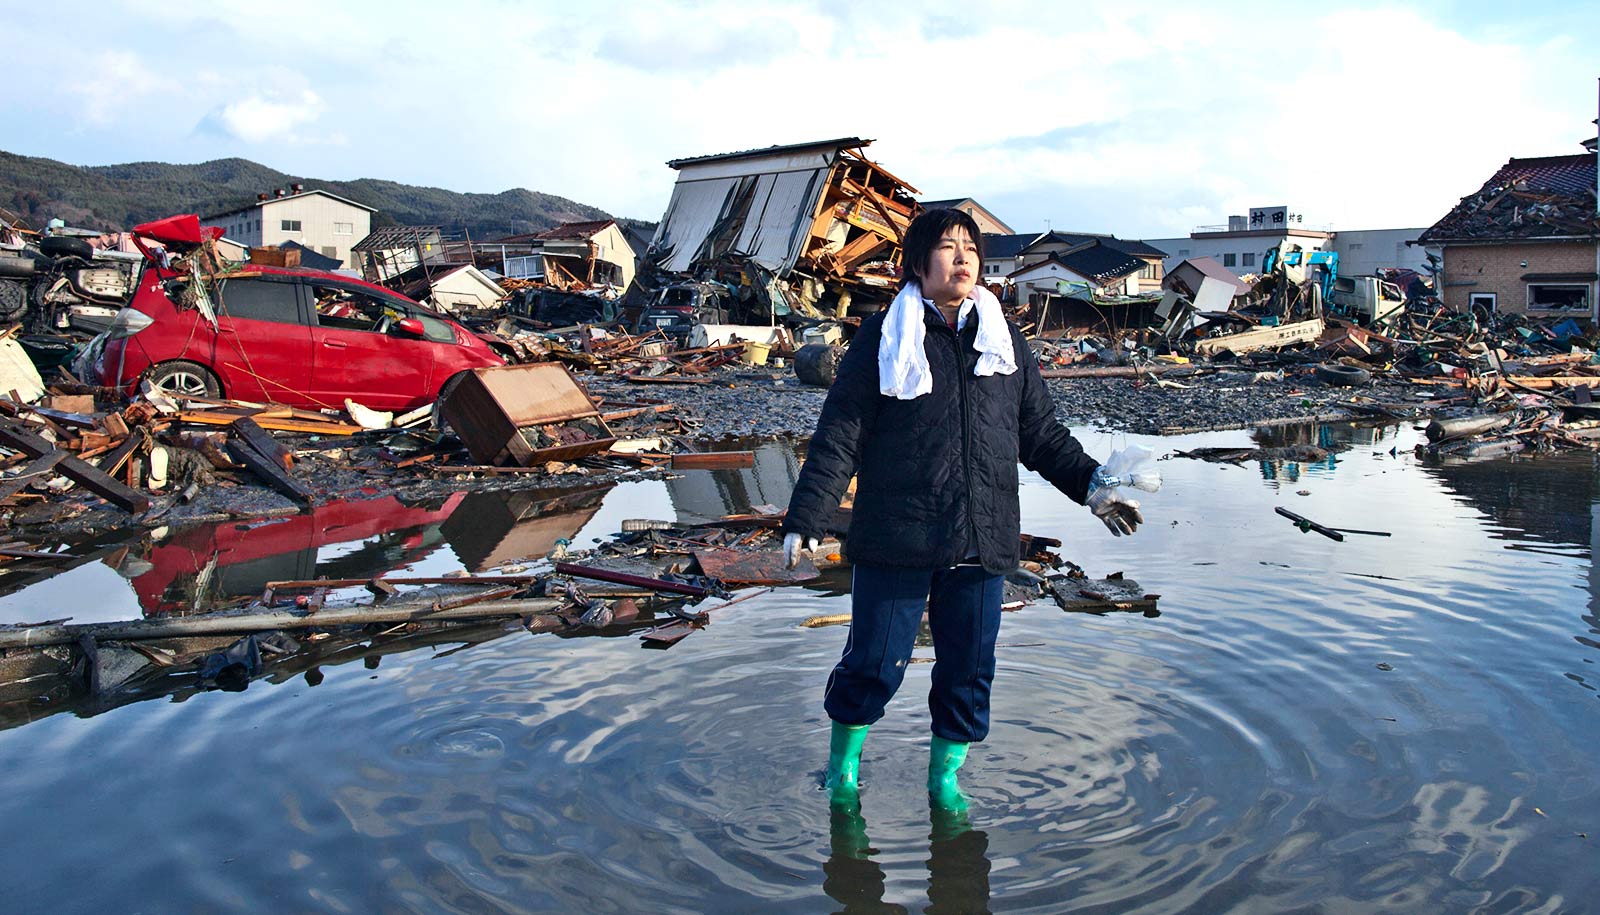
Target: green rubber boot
844, 762
944, 761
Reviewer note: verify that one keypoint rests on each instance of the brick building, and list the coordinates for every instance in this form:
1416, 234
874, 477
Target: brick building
1527, 241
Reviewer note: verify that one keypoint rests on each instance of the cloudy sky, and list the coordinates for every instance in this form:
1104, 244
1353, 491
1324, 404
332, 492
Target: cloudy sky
1143, 119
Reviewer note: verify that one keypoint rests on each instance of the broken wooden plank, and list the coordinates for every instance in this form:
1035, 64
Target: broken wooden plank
39, 468
91, 478
251, 433
664, 379
668, 633
269, 471
1102, 595
276, 424
113, 462
713, 460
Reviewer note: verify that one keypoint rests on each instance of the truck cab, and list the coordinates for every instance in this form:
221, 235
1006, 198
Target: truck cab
1367, 300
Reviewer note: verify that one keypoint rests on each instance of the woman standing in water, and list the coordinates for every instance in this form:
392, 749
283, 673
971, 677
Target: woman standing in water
935, 403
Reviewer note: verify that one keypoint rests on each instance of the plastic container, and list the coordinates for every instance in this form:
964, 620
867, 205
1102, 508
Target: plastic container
756, 353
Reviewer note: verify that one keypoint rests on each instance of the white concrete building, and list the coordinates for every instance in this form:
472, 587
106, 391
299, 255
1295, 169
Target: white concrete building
1244, 242
1363, 251
324, 222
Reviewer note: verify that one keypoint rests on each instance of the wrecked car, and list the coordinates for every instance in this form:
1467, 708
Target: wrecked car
294, 336
64, 283
678, 308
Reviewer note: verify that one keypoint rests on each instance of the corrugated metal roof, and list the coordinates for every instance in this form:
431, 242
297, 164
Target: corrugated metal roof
836, 144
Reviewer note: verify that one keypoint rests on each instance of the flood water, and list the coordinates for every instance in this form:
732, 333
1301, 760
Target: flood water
1403, 723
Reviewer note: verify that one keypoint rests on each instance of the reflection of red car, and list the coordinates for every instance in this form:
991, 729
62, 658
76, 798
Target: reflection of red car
306, 338
237, 558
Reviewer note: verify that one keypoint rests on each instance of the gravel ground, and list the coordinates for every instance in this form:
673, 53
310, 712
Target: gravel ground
741, 402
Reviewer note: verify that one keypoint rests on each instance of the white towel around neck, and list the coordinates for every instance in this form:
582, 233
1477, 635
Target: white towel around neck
903, 361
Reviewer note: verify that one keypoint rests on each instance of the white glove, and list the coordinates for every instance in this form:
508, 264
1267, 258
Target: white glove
1112, 506
792, 547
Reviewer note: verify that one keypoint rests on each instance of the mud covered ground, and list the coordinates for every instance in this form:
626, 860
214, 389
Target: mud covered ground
738, 403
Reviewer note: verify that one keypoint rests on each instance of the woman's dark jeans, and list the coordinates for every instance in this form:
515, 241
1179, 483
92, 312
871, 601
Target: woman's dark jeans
963, 605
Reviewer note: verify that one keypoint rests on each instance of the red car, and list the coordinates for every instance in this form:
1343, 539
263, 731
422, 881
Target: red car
301, 337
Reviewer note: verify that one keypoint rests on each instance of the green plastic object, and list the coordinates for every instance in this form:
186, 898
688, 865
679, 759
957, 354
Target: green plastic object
944, 761
844, 763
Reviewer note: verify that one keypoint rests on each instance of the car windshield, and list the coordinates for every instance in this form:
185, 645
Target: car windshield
678, 297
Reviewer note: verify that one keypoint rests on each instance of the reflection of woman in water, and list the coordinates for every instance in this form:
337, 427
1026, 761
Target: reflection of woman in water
935, 403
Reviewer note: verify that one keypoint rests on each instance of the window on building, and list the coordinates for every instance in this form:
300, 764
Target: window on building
291, 225
260, 300
330, 251
1558, 297
344, 228
1482, 301
1183, 252
1149, 272
1248, 259
1230, 260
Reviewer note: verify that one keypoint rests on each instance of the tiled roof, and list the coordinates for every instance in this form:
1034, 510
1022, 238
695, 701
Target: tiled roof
1004, 245
1549, 196
1126, 246
1095, 260
1101, 262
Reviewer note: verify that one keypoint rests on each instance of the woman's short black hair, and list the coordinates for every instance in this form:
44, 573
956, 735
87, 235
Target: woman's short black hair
924, 233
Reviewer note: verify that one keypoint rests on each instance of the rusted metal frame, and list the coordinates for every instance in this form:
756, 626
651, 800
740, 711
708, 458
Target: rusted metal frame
491, 594
624, 578
426, 580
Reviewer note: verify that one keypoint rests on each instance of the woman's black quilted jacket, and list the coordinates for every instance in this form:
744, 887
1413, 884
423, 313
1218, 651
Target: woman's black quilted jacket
934, 468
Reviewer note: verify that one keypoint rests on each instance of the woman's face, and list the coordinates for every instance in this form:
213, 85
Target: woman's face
952, 268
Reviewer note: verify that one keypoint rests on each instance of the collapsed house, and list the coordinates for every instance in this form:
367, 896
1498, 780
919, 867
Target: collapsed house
1526, 241
450, 271
573, 255
823, 220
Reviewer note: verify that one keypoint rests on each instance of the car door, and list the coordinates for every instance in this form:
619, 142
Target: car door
263, 348
358, 354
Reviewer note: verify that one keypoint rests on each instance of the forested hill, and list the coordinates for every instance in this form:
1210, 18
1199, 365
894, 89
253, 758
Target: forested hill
121, 196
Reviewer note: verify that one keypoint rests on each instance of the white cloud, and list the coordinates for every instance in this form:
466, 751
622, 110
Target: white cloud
1143, 118
103, 86
264, 116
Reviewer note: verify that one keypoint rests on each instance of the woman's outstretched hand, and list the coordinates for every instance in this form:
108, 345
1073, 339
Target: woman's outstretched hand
793, 545
1120, 513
